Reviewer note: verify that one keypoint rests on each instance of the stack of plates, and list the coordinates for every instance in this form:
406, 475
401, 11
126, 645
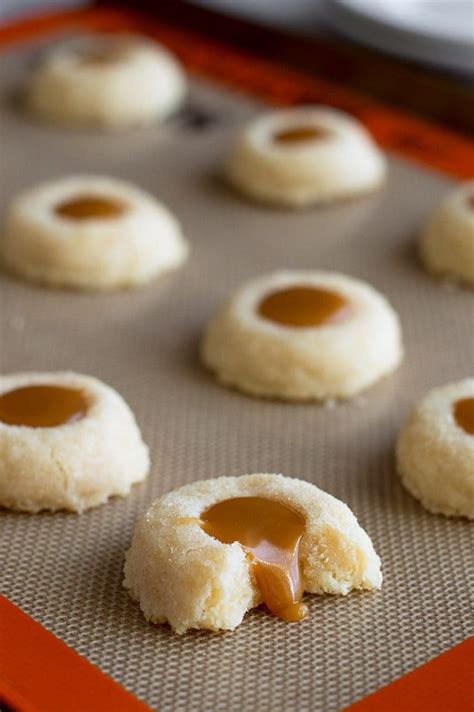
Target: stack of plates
440, 32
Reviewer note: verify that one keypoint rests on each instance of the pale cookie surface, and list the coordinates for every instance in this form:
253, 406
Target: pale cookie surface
447, 240
303, 156
92, 233
181, 575
75, 465
110, 82
435, 454
336, 359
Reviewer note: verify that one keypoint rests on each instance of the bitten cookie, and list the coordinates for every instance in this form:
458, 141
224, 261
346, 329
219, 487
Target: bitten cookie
188, 566
305, 155
67, 441
303, 335
435, 450
447, 240
90, 232
112, 82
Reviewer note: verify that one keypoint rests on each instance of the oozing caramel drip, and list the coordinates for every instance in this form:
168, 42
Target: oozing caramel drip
304, 307
299, 133
87, 207
42, 406
270, 533
463, 411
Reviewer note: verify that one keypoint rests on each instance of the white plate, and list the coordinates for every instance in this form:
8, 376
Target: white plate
440, 32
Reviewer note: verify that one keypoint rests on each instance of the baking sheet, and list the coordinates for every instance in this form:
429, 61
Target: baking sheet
66, 570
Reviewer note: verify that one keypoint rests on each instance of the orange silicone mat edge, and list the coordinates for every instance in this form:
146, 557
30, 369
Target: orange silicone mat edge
414, 138
40, 673
443, 684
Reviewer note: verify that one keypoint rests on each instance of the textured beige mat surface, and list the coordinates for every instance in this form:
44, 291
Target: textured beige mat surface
65, 569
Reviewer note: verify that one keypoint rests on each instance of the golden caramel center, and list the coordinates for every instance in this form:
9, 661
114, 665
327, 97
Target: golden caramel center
42, 406
104, 54
270, 533
304, 307
300, 133
87, 207
463, 411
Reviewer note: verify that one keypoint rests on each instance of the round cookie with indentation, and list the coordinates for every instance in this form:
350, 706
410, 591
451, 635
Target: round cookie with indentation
112, 82
91, 232
205, 554
303, 335
435, 450
305, 155
67, 441
447, 241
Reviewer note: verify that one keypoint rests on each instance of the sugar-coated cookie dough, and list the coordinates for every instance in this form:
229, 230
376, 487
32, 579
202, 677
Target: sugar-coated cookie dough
435, 450
112, 82
303, 335
447, 240
183, 576
305, 155
90, 232
67, 441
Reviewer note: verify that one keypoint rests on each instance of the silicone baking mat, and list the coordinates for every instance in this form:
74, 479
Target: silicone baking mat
66, 570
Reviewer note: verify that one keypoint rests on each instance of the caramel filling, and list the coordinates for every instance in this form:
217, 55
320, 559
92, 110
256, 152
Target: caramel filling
105, 54
42, 406
87, 207
304, 307
270, 533
299, 133
463, 411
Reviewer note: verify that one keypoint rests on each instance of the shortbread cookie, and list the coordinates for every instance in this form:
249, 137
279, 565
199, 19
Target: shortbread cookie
91, 232
113, 82
435, 450
305, 155
67, 442
302, 336
447, 240
189, 566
